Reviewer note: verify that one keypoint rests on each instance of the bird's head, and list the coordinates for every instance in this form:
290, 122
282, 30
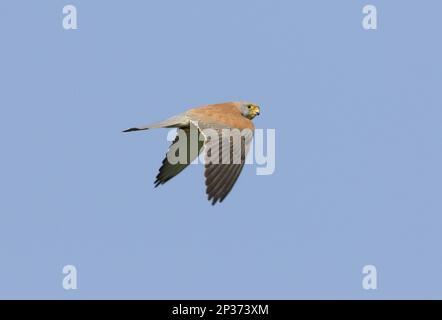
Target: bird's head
249, 110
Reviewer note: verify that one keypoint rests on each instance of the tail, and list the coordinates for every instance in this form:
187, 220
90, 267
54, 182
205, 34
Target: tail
174, 122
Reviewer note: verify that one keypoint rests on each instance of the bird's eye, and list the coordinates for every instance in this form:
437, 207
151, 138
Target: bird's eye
249, 106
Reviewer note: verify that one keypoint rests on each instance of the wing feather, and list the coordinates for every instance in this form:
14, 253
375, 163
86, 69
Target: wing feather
169, 170
222, 175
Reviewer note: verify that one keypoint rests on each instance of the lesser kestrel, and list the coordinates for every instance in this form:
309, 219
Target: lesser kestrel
224, 159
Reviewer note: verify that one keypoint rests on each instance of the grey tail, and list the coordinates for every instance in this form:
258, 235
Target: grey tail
174, 122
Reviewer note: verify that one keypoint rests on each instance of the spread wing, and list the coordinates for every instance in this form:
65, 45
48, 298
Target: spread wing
226, 144
169, 169
227, 137
224, 160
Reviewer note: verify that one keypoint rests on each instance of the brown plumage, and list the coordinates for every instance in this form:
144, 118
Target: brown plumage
226, 115
224, 157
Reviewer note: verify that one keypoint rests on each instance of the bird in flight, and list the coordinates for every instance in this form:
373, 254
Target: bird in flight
217, 126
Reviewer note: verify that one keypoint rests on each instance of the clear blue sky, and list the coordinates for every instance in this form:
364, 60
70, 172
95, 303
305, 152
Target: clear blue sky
358, 175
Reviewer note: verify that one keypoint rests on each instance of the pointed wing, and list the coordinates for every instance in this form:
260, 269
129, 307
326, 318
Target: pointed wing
169, 169
225, 157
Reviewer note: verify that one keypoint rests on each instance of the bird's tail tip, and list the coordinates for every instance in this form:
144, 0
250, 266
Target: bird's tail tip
132, 129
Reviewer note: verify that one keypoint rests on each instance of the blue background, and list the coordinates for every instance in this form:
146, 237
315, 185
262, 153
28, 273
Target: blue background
358, 157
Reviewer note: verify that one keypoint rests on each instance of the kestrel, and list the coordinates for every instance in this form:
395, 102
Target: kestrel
224, 159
